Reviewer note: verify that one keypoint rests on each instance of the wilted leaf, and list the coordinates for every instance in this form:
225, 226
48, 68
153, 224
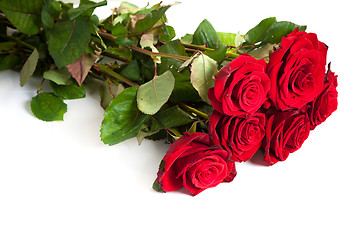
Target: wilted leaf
81, 67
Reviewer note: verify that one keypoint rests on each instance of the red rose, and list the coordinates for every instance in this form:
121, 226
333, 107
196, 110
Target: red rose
296, 70
285, 133
240, 136
325, 104
240, 86
195, 163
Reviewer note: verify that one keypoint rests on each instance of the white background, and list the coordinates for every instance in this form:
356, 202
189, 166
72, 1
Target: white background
59, 181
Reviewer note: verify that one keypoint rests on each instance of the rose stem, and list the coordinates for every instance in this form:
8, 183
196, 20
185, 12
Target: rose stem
113, 74
193, 110
144, 51
152, 54
202, 48
24, 44
114, 56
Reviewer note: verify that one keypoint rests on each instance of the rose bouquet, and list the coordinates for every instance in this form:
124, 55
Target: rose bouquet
216, 97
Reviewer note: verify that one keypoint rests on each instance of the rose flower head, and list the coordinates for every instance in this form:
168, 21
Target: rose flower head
285, 133
296, 70
195, 163
241, 136
326, 103
241, 86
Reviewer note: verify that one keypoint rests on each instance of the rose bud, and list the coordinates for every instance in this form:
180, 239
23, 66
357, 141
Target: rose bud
296, 70
241, 136
195, 163
285, 133
241, 86
325, 104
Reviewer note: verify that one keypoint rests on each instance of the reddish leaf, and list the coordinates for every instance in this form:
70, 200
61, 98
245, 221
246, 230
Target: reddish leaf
81, 67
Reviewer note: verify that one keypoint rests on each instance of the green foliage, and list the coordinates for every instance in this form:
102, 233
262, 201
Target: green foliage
9, 62
25, 15
206, 35
279, 30
132, 71
170, 118
108, 92
29, 67
70, 91
86, 8
151, 86
48, 107
50, 11
270, 30
68, 41
122, 119
59, 76
152, 95
203, 70
151, 19
259, 32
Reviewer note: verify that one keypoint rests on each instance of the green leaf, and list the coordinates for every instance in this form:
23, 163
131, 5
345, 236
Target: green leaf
122, 52
263, 52
71, 91
183, 89
157, 187
126, 8
25, 15
29, 67
108, 92
49, 12
171, 117
7, 46
227, 38
173, 47
218, 54
154, 94
59, 76
9, 62
205, 34
122, 119
68, 41
132, 71
203, 69
123, 41
85, 8
119, 30
258, 33
188, 38
48, 107
151, 19
279, 30
168, 34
